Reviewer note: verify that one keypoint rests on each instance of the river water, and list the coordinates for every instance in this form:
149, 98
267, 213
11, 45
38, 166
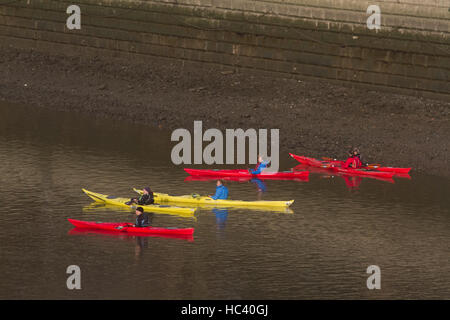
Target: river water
319, 250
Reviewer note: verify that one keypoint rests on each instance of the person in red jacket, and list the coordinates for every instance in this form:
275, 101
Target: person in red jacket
354, 160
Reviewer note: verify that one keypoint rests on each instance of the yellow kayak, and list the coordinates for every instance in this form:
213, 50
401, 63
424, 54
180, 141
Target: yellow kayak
157, 208
202, 200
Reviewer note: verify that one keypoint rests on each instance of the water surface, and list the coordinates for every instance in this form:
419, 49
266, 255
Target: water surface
320, 251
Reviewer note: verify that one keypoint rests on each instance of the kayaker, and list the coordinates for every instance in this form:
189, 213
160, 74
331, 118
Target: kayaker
354, 160
221, 191
142, 218
145, 199
261, 165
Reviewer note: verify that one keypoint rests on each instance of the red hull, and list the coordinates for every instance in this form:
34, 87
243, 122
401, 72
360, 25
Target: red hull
328, 171
130, 230
335, 165
242, 173
125, 235
364, 173
241, 179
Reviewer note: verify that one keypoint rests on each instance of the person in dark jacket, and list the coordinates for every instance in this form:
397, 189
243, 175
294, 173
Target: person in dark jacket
145, 199
142, 218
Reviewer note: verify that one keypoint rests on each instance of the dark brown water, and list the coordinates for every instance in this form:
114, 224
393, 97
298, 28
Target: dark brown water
321, 250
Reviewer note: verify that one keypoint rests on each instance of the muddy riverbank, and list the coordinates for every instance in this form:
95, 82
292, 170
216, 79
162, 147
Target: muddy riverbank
315, 118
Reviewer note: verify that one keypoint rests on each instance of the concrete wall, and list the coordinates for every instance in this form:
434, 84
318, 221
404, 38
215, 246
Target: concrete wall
326, 39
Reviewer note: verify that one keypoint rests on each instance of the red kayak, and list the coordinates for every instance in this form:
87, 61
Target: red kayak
301, 178
338, 163
364, 173
328, 171
125, 235
242, 173
128, 228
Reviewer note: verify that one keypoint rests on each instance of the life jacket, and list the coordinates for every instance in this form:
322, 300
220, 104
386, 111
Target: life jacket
353, 162
142, 220
221, 193
146, 199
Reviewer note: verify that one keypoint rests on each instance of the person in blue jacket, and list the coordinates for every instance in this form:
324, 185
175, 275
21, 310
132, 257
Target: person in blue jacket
260, 166
221, 191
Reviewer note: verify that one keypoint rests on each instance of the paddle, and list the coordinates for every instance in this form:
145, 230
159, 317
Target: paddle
368, 166
124, 226
327, 166
328, 159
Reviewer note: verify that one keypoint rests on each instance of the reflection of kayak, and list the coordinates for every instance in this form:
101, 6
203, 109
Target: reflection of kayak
242, 173
122, 235
157, 208
127, 228
202, 200
338, 163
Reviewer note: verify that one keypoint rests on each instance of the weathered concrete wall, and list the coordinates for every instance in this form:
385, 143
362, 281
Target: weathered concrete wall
326, 39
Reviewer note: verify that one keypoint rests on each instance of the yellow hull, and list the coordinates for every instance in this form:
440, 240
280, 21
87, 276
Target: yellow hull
202, 200
157, 208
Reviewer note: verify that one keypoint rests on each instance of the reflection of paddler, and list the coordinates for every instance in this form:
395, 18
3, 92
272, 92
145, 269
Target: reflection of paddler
261, 185
141, 243
221, 217
352, 182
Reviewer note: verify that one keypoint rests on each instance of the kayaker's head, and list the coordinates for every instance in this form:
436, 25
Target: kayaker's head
219, 183
147, 190
139, 210
353, 152
260, 159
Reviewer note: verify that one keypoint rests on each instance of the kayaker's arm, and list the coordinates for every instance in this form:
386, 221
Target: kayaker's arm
217, 194
125, 226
